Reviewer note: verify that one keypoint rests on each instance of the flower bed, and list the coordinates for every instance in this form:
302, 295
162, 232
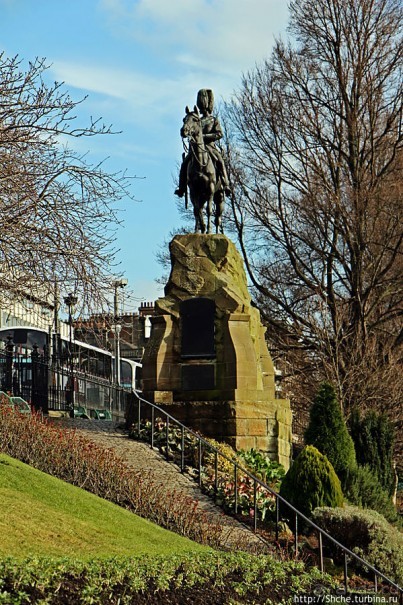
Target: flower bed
209, 579
216, 472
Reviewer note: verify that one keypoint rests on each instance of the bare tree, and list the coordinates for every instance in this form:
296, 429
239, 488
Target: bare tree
58, 210
316, 158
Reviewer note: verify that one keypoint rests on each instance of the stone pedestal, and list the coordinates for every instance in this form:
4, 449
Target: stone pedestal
207, 361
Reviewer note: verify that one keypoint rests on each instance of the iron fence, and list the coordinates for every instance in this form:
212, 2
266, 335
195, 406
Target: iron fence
53, 386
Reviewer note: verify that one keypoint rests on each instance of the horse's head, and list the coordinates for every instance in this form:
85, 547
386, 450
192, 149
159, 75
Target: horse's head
192, 126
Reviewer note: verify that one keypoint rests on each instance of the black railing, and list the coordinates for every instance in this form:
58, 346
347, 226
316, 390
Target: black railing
280, 502
49, 385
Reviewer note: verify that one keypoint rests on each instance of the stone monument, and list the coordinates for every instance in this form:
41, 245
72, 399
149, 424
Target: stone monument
207, 360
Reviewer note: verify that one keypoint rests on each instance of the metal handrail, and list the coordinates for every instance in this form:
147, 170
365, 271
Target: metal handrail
256, 481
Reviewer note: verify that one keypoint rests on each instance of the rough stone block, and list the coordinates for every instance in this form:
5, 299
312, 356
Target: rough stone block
257, 427
283, 413
284, 433
244, 442
266, 444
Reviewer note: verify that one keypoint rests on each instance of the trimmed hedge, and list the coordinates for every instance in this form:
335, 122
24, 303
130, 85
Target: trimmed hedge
380, 543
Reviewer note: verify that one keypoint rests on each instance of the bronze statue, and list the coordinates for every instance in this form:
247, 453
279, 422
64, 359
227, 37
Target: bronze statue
203, 169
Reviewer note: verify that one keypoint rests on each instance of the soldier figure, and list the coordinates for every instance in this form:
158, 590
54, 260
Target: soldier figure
211, 132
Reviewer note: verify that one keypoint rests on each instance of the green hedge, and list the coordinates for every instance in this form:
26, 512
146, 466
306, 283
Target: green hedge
380, 543
373, 436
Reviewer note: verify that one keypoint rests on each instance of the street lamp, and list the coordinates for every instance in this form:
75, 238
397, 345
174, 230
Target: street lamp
70, 301
117, 328
119, 283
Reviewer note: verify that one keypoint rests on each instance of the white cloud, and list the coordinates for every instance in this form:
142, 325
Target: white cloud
90, 77
137, 89
132, 98
138, 95
229, 36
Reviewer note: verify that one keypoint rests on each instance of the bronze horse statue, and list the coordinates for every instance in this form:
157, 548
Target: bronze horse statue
203, 183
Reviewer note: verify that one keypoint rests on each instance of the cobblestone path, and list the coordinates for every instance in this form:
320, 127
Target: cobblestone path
141, 457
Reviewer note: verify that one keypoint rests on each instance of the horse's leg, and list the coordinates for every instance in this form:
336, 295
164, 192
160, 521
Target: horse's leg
201, 219
209, 212
198, 214
210, 200
197, 218
194, 201
219, 201
211, 188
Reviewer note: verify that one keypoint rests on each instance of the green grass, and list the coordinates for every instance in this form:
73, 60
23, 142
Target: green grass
41, 515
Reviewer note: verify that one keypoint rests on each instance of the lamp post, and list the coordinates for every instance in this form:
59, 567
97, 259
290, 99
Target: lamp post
8, 386
117, 329
119, 283
70, 301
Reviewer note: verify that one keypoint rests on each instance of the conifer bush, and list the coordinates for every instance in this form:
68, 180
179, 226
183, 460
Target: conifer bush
373, 436
311, 481
364, 490
327, 431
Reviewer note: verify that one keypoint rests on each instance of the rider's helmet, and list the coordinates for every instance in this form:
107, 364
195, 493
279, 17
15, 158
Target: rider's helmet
205, 100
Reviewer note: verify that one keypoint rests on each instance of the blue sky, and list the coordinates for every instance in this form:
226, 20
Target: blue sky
140, 62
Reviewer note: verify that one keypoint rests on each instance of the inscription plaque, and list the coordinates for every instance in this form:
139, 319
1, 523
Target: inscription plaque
198, 377
197, 323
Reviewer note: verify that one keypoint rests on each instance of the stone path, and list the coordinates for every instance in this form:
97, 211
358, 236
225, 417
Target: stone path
141, 457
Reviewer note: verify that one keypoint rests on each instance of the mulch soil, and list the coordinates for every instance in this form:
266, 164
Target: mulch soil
70, 593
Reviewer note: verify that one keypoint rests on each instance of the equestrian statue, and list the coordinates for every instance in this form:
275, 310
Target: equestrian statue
203, 168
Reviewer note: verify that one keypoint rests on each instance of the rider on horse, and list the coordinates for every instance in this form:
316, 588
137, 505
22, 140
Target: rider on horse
211, 132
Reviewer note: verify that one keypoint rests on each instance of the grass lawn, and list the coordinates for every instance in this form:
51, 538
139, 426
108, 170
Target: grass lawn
41, 515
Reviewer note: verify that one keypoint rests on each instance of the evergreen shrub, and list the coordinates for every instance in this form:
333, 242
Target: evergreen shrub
364, 490
379, 542
311, 482
373, 437
327, 431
